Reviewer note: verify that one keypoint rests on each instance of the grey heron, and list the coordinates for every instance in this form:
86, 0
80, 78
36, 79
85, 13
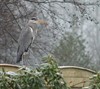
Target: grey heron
27, 36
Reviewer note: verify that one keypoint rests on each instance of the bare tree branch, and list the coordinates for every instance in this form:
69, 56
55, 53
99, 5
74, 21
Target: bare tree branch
13, 16
65, 1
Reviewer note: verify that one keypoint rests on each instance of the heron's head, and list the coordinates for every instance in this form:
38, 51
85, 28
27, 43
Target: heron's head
34, 19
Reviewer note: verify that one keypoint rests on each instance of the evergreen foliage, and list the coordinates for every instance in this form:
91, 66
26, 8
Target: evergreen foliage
46, 76
72, 50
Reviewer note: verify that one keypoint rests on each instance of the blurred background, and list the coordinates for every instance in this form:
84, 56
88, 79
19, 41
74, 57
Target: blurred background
72, 35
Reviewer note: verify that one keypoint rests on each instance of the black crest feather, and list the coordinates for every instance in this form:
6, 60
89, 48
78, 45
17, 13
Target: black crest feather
34, 18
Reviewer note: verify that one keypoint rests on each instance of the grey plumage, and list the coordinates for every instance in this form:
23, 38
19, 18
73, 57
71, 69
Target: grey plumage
27, 36
25, 40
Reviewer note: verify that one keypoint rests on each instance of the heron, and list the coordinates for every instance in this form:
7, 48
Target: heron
27, 36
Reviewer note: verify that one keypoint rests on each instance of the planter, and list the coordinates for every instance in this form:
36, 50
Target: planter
9, 67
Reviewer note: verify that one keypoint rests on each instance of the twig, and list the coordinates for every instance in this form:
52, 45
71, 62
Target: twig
65, 1
13, 16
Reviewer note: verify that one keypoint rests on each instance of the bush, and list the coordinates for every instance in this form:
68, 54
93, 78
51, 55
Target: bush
46, 76
95, 81
71, 51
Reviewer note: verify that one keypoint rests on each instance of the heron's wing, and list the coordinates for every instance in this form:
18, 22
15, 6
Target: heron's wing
24, 42
19, 55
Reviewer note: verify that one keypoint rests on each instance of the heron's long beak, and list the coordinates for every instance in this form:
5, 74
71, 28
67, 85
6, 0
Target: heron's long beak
42, 22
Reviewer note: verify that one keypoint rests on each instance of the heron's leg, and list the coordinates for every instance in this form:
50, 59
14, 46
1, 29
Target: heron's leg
23, 58
22, 63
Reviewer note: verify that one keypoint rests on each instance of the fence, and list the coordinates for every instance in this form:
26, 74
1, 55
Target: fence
76, 77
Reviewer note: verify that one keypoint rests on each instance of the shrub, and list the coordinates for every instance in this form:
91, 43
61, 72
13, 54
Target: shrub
95, 81
46, 76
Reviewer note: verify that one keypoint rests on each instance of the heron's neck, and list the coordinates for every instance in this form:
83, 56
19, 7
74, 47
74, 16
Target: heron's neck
32, 25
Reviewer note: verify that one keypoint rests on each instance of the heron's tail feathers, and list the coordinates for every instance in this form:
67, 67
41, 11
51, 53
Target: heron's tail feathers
19, 58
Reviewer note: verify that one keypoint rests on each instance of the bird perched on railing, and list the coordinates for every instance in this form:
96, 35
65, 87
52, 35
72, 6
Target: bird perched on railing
27, 36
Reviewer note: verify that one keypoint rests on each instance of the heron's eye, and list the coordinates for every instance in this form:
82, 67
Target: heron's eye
34, 18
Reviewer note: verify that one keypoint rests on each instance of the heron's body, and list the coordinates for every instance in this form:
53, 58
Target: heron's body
26, 37
25, 41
